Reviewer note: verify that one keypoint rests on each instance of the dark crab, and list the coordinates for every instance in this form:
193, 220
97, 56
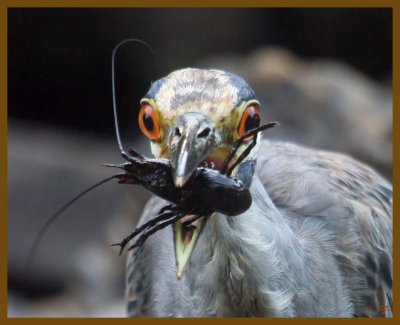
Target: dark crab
207, 191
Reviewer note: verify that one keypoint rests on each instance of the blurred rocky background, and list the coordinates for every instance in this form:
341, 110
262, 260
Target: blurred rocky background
324, 74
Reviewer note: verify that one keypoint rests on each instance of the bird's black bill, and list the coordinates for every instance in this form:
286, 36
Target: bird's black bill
190, 141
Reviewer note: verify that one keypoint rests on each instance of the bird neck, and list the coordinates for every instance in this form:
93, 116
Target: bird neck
249, 253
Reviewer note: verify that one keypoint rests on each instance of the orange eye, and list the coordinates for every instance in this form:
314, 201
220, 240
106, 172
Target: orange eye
250, 120
148, 122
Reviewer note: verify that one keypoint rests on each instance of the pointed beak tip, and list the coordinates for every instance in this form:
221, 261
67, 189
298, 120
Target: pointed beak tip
179, 181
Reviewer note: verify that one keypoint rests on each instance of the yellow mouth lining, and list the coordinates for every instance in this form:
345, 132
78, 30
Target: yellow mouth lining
185, 242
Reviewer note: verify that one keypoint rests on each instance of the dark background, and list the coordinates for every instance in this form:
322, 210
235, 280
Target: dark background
59, 59
324, 74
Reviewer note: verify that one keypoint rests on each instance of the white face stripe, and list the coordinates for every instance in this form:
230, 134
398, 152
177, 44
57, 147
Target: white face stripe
214, 93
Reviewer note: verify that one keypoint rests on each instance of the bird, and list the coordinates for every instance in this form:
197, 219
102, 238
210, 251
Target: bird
315, 242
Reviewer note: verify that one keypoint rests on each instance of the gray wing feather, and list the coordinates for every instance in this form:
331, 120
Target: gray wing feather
354, 202
138, 281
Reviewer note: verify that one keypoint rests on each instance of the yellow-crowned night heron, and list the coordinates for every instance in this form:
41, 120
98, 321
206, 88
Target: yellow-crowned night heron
316, 241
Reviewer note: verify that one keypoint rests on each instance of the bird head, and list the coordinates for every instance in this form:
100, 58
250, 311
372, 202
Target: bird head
193, 117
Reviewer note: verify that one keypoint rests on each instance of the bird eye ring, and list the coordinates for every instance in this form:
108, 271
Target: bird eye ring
148, 122
250, 120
